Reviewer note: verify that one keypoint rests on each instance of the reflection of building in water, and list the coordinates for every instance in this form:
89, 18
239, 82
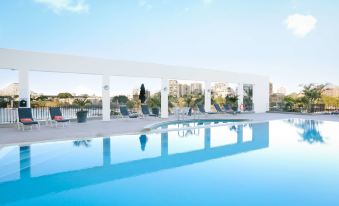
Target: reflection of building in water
106, 171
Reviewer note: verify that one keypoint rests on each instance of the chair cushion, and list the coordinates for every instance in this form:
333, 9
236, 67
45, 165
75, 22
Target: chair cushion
29, 123
58, 118
63, 120
26, 120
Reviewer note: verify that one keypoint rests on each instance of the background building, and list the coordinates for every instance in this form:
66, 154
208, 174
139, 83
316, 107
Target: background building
281, 90
331, 90
184, 89
196, 88
271, 88
173, 88
221, 89
10, 90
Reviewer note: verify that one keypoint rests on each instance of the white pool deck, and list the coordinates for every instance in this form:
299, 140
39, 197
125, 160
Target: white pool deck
99, 128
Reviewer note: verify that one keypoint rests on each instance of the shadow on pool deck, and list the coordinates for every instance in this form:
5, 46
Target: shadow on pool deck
98, 128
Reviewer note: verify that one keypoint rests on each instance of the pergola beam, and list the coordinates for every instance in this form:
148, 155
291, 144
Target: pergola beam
25, 61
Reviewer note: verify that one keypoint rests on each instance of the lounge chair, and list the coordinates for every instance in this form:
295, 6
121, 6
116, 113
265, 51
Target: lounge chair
145, 111
219, 110
125, 113
56, 116
202, 110
25, 118
228, 109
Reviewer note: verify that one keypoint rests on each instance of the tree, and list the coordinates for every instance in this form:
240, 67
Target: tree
312, 93
142, 95
232, 100
154, 101
82, 103
41, 98
121, 99
248, 97
219, 100
130, 104
289, 103
330, 102
64, 95
3, 102
188, 100
172, 101
200, 99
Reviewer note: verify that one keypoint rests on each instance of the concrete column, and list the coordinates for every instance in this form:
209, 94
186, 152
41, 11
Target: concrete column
24, 89
207, 96
164, 98
261, 96
240, 95
106, 103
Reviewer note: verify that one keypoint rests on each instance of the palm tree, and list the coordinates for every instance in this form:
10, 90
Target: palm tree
248, 97
82, 103
232, 100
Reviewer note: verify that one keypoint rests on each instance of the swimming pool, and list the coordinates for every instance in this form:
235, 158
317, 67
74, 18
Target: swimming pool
184, 124
285, 162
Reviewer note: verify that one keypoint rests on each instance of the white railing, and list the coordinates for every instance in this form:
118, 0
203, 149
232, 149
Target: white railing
10, 115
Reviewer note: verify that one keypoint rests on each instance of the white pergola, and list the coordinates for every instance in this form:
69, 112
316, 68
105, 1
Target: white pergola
25, 61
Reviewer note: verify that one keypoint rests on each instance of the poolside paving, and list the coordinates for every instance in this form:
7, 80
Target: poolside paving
98, 128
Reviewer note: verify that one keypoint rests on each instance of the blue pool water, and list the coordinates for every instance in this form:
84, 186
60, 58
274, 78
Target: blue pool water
180, 124
287, 162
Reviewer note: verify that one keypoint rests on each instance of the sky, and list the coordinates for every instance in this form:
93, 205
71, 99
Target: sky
292, 41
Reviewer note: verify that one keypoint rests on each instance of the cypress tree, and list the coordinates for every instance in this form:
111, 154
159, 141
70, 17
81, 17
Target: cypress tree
142, 95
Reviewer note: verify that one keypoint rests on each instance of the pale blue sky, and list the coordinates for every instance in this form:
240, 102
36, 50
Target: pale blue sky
293, 42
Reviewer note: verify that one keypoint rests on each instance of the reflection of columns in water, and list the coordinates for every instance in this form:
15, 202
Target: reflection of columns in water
25, 161
260, 132
240, 134
106, 142
164, 141
164, 144
207, 138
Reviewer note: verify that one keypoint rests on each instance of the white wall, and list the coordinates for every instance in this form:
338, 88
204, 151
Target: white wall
38, 61
261, 95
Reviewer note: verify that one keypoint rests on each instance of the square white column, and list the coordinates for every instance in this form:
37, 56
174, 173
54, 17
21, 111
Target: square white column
106, 103
24, 89
240, 92
164, 98
261, 96
207, 96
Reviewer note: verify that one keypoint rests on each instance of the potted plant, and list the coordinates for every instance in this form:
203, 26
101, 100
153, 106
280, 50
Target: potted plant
232, 100
82, 114
154, 102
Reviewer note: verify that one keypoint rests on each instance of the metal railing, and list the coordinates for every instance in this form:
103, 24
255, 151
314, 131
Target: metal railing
10, 115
